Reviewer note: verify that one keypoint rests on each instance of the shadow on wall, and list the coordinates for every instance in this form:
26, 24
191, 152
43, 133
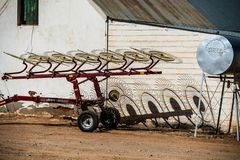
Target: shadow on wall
174, 107
168, 108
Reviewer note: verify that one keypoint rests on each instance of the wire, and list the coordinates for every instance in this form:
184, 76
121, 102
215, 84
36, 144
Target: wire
31, 41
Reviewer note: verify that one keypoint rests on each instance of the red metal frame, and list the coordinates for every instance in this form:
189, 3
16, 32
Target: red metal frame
72, 76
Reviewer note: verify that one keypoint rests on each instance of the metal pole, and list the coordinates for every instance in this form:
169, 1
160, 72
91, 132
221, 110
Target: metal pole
231, 114
220, 107
199, 103
236, 108
210, 101
107, 34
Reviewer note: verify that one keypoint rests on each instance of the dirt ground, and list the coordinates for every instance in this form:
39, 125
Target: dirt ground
31, 138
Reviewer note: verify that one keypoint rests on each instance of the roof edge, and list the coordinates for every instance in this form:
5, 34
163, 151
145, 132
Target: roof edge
98, 9
186, 28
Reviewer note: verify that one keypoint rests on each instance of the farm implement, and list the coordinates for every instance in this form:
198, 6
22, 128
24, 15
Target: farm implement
79, 67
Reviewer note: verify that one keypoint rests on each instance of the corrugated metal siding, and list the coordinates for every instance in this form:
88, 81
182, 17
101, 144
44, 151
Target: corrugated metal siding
216, 17
182, 44
168, 12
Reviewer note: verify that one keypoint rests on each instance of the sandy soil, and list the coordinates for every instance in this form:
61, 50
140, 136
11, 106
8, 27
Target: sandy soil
31, 138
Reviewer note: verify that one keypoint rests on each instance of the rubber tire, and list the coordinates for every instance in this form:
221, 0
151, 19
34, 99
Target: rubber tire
110, 117
82, 117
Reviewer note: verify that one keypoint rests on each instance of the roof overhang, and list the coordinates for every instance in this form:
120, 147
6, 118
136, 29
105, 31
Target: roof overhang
191, 15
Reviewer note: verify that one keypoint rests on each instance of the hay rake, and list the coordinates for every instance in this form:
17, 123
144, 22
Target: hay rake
74, 66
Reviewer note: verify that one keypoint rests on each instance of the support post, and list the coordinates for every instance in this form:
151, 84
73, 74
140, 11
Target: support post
236, 109
199, 103
231, 114
107, 46
220, 106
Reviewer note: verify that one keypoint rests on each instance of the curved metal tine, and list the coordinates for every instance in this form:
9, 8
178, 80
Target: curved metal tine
144, 59
71, 54
109, 57
68, 70
124, 61
64, 56
154, 60
105, 60
138, 50
73, 60
116, 57
52, 59
41, 59
136, 56
158, 54
76, 60
62, 60
7, 75
9, 54
128, 63
90, 58
93, 61
27, 57
166, 57
143, 52
84, 58
117, 53
35, 58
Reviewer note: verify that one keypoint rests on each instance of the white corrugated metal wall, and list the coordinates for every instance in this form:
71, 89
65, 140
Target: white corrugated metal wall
179, 81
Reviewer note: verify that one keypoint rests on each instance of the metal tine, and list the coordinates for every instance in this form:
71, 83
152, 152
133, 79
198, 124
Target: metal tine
89, 54
114, 52
69, 56
144, 58
169, 58
71, 53
119, 59
38, 55
144, 52
52, 58
64, 54
23, 59
141, 51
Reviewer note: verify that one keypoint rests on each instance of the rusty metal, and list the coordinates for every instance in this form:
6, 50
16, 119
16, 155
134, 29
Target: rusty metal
191, 15
165, 12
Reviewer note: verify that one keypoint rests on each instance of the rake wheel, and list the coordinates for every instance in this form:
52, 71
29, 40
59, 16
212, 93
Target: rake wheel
110, 117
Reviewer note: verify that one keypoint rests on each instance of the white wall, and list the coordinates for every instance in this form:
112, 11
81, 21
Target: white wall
63, 25
178, 77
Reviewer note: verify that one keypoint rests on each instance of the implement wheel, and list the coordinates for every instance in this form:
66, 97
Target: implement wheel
88, 121
110, 117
